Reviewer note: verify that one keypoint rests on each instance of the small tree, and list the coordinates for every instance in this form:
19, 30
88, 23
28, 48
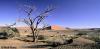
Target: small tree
33, 22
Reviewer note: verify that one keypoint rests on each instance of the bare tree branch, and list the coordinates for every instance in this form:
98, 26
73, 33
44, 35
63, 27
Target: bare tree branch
34, 22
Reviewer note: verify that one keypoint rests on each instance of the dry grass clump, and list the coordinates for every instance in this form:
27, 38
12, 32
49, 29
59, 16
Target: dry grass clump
92, 46
58, 40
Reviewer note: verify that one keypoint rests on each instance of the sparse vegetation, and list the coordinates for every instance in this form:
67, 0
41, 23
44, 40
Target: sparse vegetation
60, 41
91, 46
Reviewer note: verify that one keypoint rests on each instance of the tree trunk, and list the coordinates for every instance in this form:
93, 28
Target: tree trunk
33, 33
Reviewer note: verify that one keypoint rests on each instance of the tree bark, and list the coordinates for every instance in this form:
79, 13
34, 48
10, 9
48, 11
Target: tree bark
33, 33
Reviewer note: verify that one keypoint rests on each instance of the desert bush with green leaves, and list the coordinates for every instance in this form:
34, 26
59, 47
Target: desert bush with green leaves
12, 32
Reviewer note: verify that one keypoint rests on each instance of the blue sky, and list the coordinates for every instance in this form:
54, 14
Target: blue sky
68, 13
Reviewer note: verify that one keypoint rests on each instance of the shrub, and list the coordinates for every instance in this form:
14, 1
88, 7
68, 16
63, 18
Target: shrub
59, 40
3, 35
41, 37
82, 33
11, 32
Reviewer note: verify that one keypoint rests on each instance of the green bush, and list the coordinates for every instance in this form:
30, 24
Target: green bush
3, 35
12, 32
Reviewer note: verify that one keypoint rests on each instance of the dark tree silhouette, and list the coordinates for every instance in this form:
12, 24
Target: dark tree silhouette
33, 22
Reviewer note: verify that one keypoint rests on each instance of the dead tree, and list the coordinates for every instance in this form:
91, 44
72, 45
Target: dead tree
33, 22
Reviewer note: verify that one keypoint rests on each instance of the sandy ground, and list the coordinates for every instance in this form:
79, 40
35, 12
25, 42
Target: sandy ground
16, 44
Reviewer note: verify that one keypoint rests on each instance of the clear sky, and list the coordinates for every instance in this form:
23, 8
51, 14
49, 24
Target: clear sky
68, 13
